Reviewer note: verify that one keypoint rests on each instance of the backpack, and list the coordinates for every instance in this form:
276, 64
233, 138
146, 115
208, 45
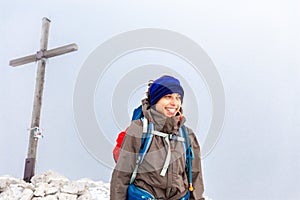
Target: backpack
137, 114
148, 134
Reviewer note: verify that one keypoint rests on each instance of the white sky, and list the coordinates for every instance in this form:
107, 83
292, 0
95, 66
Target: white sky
255, 46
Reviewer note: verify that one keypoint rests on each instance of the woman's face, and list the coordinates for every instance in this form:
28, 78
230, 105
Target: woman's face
169, 104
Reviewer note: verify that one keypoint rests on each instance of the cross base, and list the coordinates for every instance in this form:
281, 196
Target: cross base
29, 169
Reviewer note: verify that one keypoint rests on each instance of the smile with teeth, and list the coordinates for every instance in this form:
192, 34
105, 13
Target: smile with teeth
171, 110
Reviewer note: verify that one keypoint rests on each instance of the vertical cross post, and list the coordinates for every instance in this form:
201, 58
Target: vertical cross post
41, 57
37, 103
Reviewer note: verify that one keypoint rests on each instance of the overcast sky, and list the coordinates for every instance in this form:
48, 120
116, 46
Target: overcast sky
254, 46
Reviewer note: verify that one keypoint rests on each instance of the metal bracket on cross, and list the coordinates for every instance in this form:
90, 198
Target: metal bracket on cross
37, 132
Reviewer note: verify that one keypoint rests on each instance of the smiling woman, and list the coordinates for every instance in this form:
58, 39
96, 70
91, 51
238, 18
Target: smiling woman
168, 165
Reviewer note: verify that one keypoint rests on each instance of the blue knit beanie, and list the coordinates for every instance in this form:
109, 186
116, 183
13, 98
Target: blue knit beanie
163, 86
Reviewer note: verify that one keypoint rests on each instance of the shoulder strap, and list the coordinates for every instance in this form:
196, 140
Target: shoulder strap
137, 113
167, 138
189, 155
146, 141
148, 133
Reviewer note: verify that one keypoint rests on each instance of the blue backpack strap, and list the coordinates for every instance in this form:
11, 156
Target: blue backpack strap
189, 155
145, 144
146, 140
137, 113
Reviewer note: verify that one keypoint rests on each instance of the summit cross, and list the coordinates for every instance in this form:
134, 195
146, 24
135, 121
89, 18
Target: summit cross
41, 56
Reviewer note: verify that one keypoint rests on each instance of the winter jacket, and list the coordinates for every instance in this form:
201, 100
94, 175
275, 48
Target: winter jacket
174, 184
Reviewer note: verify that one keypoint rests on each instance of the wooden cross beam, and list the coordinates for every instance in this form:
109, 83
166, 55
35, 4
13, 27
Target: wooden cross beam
40, 57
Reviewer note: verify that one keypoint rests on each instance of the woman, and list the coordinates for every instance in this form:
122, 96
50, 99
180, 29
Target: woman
162, 172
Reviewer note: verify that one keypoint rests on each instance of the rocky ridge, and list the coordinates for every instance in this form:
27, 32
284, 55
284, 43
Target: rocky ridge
52, 186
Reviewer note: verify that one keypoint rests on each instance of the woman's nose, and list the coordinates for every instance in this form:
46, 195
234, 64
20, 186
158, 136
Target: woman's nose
173, 101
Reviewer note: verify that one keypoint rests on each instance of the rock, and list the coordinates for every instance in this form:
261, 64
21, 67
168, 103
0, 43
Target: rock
40, 190
82, 187
99, 193
48, 177
3, 184
51, 197
52, 186
70, 188
74, 187
12, 192
87, 182
27, 194
65, 196
85, 196
51, 190
37, 198
6, 181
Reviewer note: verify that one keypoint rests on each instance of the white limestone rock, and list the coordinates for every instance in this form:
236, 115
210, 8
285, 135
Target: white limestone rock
99, 193
12, 192
52, 186
40, 190
51, 190
66, 196
87, 182
82, 187
37, 198
6, 181
27, 194
70, 188
74, 187
48, 177
85, 196
3, 183
51, 197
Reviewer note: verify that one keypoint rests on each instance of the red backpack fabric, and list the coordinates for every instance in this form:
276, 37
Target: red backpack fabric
137, 114
119, 140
